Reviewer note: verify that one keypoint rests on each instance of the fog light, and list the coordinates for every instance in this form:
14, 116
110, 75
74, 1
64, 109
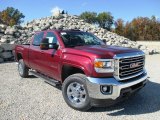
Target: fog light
105, 89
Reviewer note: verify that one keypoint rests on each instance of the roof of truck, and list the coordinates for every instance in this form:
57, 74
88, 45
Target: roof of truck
59, 30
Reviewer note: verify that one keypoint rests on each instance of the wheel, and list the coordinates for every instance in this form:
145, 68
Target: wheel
22, 69
75, 92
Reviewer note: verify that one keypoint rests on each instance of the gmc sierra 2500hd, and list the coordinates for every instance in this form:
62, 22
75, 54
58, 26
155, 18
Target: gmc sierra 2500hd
90, 72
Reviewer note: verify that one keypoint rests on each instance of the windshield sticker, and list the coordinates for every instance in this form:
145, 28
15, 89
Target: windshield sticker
63, 33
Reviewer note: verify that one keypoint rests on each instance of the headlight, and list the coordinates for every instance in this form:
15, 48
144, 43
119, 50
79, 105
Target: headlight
104, 65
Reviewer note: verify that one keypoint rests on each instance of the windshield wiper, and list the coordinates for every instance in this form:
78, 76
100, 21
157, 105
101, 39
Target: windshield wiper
80, 44
75, 45
70, 46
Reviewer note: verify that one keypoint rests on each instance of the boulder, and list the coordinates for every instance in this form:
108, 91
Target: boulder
1, 60
142, 47
6, 55
152, 51
59, 26
12, 42
3, 26
3, 39
8, 47
10, 30
1, 49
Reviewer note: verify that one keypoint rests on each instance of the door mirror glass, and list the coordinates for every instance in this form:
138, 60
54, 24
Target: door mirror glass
44, 45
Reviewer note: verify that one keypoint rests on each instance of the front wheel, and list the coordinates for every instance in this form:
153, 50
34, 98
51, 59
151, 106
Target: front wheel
75, 92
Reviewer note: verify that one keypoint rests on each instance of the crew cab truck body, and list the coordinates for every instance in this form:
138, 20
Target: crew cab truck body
90, 72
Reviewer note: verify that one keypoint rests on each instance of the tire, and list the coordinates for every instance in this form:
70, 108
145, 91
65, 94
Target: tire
75, 92
22, 69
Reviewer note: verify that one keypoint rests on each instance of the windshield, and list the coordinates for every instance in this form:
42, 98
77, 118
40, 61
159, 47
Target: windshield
72, 39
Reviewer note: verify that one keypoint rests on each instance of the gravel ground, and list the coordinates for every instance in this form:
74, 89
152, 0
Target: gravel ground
32, 99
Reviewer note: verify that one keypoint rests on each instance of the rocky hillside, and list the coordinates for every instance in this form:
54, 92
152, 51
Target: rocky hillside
22, 34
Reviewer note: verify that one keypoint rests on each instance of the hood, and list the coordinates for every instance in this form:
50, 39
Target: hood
104, 51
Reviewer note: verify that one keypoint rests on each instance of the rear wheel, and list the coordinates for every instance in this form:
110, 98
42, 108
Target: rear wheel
22, 69
75, 92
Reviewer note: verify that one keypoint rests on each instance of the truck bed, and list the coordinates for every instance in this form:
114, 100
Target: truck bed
24, 51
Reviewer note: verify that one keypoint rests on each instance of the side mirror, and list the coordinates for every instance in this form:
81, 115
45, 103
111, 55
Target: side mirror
104, 41
44, 45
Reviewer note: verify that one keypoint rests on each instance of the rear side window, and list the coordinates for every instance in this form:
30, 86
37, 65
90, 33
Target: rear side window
38, 38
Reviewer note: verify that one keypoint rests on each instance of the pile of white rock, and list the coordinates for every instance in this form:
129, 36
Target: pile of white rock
6, 52
22, 34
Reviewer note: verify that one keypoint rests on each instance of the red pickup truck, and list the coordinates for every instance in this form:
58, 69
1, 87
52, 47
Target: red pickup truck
90, 72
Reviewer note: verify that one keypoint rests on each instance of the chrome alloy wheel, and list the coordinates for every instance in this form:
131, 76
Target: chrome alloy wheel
76, 93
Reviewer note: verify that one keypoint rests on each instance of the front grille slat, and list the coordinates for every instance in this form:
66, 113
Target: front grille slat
138, 60
133, 58
132, 70
127, 67
124, 74
130, 66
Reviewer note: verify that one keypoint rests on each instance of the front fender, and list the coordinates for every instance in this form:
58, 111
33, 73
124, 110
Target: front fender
82, 62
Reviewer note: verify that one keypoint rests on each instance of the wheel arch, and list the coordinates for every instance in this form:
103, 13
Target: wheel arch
68, 70
19, 56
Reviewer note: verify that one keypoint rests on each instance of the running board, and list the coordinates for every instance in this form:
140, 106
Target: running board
45, 78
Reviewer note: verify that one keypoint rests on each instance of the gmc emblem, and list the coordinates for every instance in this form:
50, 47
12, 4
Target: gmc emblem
133, 65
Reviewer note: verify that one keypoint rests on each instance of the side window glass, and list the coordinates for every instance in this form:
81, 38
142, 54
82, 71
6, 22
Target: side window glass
52, 37
38, 38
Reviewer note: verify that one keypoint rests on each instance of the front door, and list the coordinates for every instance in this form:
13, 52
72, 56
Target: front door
35, 52
51, 58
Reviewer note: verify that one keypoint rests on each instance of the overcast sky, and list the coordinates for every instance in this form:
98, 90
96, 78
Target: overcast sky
125, 9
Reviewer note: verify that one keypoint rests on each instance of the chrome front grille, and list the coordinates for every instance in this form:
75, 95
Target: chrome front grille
129, 65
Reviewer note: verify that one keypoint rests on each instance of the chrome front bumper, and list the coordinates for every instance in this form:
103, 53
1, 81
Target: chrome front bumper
93, 86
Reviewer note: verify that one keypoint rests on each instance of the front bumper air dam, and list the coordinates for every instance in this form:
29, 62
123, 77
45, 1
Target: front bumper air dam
119, 89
